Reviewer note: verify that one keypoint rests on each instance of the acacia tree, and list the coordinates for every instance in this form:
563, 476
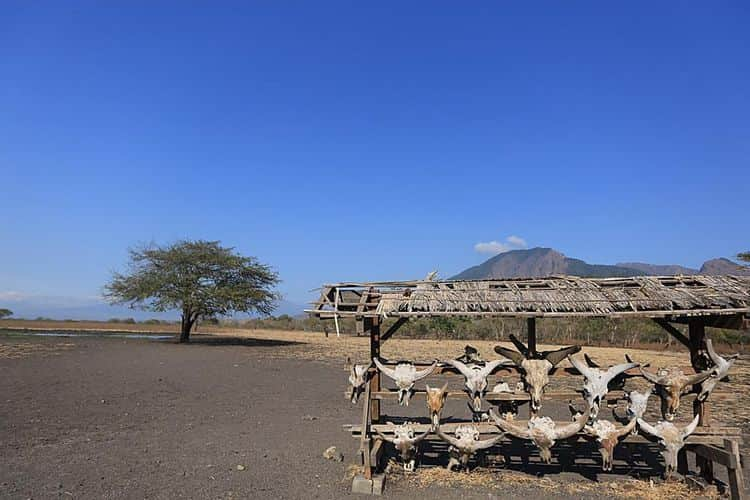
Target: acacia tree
744, 256
200, 278
5, 313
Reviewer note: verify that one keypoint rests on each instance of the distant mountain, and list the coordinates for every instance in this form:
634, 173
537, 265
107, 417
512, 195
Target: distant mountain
537, 262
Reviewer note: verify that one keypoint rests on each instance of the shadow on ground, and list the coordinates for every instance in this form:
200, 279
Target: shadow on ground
217, 340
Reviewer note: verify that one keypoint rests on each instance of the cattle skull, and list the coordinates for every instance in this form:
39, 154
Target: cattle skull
405, 374
465, 444
435, 402
607, 436
475, 377
406, 442
721, 368
357, 379
671, 383
535, 367
596, 386
542, 431
671, 439
637, 403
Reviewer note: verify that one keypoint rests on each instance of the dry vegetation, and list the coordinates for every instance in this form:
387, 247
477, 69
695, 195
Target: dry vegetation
17, 350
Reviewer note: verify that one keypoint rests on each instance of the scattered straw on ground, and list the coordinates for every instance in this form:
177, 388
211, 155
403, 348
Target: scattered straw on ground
24, 349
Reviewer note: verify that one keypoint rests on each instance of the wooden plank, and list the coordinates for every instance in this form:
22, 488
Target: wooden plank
374, 324
674, 332
531, 336
376, 453
715, 454
364, 444
736, 477
398, 324
492, 397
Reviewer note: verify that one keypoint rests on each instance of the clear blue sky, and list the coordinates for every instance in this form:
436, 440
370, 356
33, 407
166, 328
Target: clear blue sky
352, 141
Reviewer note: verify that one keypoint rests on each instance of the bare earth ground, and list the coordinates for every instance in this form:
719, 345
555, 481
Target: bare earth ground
87, 417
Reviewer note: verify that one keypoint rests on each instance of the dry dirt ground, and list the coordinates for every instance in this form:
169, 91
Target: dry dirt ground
245, 415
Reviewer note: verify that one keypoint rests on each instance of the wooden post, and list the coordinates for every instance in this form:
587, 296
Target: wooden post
531, 335
374, 328
697, 337
736, 479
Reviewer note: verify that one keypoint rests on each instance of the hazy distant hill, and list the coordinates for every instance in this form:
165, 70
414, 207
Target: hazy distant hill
536, 262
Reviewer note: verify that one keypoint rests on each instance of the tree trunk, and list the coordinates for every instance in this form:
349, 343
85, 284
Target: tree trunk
185, 327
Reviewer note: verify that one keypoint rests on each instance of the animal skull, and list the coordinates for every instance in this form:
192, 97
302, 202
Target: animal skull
542, 431
465, 444
671, 383
406, 442
476, 378
596, 386
435, 403
671, 439
637, 403
405, 374
721, 368
535, 367
608, 436
357, 379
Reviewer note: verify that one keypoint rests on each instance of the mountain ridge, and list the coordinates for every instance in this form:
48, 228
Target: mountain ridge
543, 261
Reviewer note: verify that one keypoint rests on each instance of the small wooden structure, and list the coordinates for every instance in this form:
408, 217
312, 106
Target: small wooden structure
698, 301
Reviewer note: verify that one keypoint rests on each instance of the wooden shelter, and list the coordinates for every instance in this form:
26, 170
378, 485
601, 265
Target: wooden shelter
698, 301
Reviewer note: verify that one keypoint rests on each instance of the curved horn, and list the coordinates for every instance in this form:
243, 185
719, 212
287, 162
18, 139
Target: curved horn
444, 388
445, 437
419, 375
579, 365
690, 428
698, 377
383, 436
555, 357
519, 345
648, 428
487, 443
512, 355
614, 371
510, 427
565, 431
461, 367
389, 372
717, 360
626, 429
491, 366
590, 361
650, 377
418, 439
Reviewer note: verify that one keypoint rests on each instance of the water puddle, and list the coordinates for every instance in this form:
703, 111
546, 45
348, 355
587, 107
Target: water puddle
64, 333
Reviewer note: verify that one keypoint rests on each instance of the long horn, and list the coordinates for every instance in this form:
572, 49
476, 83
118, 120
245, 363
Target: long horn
512, 355
458, 365
712, 353
445, 437
698, 377
614, 371
509, 427
555, 357
519, 345
590, 361
648, 428
690, 427
383, 436
487, 443
579, 365
565, 431
651, 377
626, 429
630, 360
390, 373
444, 388
418, 439
491, 366
419, 375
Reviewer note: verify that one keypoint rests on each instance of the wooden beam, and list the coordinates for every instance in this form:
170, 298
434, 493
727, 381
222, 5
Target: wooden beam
531, 335
674, 332
394, 327
736, 478
374, 330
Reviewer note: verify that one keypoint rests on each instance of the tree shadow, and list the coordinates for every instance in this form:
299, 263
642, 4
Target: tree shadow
218, 340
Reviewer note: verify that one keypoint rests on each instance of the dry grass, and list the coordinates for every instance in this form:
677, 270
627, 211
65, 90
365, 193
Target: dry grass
19, 350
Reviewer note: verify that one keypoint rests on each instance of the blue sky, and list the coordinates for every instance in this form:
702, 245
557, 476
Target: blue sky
350, 141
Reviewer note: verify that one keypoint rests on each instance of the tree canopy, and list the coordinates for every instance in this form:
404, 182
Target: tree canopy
4, 313
744, 256
200, 278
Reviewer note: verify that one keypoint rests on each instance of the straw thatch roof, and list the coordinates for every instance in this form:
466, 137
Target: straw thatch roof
649, 296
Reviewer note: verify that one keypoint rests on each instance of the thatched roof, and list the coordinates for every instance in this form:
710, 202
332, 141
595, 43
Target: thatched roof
649, 296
